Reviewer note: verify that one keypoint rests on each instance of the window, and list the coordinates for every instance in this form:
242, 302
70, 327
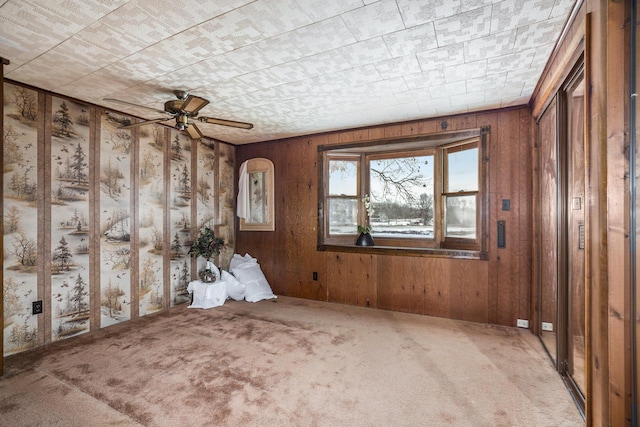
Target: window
427, 193
342, 200
461, 183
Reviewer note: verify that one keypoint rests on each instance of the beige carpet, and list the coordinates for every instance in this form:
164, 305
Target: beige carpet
290, 362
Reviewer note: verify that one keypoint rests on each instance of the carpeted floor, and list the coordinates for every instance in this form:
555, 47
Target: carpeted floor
288, 362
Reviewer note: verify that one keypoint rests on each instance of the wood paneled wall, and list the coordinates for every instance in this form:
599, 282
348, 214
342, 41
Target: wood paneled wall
495, 291
599, 30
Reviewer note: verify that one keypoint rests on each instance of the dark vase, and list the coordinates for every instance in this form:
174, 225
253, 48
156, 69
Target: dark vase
364, 239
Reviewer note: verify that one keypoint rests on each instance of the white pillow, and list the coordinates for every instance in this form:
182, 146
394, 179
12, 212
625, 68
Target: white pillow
211, 266
237, 259
235, 289
256, 287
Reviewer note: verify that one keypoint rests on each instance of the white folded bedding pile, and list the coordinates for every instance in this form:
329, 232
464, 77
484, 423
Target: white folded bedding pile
250, 283
244, 281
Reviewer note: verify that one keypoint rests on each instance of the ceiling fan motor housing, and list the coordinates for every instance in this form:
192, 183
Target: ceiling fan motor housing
174, 106
182, 121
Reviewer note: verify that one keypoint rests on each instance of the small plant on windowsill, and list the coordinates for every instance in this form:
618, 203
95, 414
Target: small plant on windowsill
364, 238
207, 245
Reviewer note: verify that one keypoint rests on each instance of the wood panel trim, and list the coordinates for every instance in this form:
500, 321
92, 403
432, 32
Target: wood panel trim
134, 214
538, 91
95, 292
3, 62
617, 190
391, 250
166, 218
45, 105
549, 82
587, 225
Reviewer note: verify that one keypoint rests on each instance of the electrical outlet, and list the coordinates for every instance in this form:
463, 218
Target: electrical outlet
522, 323
546, 326
36, 307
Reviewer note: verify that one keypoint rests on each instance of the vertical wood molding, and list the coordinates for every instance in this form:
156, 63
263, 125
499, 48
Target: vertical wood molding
2, 64
44, 218
587, 223
166, 218
617, 187
134, 213
598, 399
216, 191
94, 211
193, 201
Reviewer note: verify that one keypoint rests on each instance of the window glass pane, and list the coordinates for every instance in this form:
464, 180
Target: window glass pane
402, 192
343, 216
462, 170
460, 217
343, 177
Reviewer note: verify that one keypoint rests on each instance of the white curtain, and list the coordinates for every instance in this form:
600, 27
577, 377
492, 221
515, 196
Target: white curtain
242, 208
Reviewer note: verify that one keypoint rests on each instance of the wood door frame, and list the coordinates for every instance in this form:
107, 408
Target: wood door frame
565, 166
551, 106
3, 62
562, 223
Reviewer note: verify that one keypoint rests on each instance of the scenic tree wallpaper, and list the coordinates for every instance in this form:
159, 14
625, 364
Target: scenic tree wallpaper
19, 145
70, 227
115, 220
151, 195
180, 213
98, 220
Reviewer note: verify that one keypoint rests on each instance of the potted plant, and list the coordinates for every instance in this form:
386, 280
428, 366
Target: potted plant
364, 238
207, 245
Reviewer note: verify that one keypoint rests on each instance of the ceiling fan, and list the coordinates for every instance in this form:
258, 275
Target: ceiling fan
182, 109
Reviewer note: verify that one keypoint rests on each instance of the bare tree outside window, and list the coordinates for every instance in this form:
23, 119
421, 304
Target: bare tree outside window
401, 191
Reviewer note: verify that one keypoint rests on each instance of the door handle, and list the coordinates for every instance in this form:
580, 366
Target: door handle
581, 235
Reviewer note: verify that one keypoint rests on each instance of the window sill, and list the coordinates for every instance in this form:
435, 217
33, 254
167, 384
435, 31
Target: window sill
404, 251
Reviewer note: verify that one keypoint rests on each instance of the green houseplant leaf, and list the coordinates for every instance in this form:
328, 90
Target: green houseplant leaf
206, 245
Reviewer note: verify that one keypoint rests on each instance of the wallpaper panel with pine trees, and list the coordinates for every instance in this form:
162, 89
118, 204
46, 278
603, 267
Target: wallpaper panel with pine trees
98, 220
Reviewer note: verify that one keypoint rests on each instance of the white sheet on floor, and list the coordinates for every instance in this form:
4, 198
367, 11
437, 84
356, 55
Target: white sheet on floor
207, 295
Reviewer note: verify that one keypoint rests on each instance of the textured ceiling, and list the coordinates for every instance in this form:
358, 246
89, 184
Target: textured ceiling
290, 67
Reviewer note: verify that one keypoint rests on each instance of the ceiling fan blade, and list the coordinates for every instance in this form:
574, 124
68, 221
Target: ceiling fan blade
193, 104
119, 101
223, 122
193, 131
146, 122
